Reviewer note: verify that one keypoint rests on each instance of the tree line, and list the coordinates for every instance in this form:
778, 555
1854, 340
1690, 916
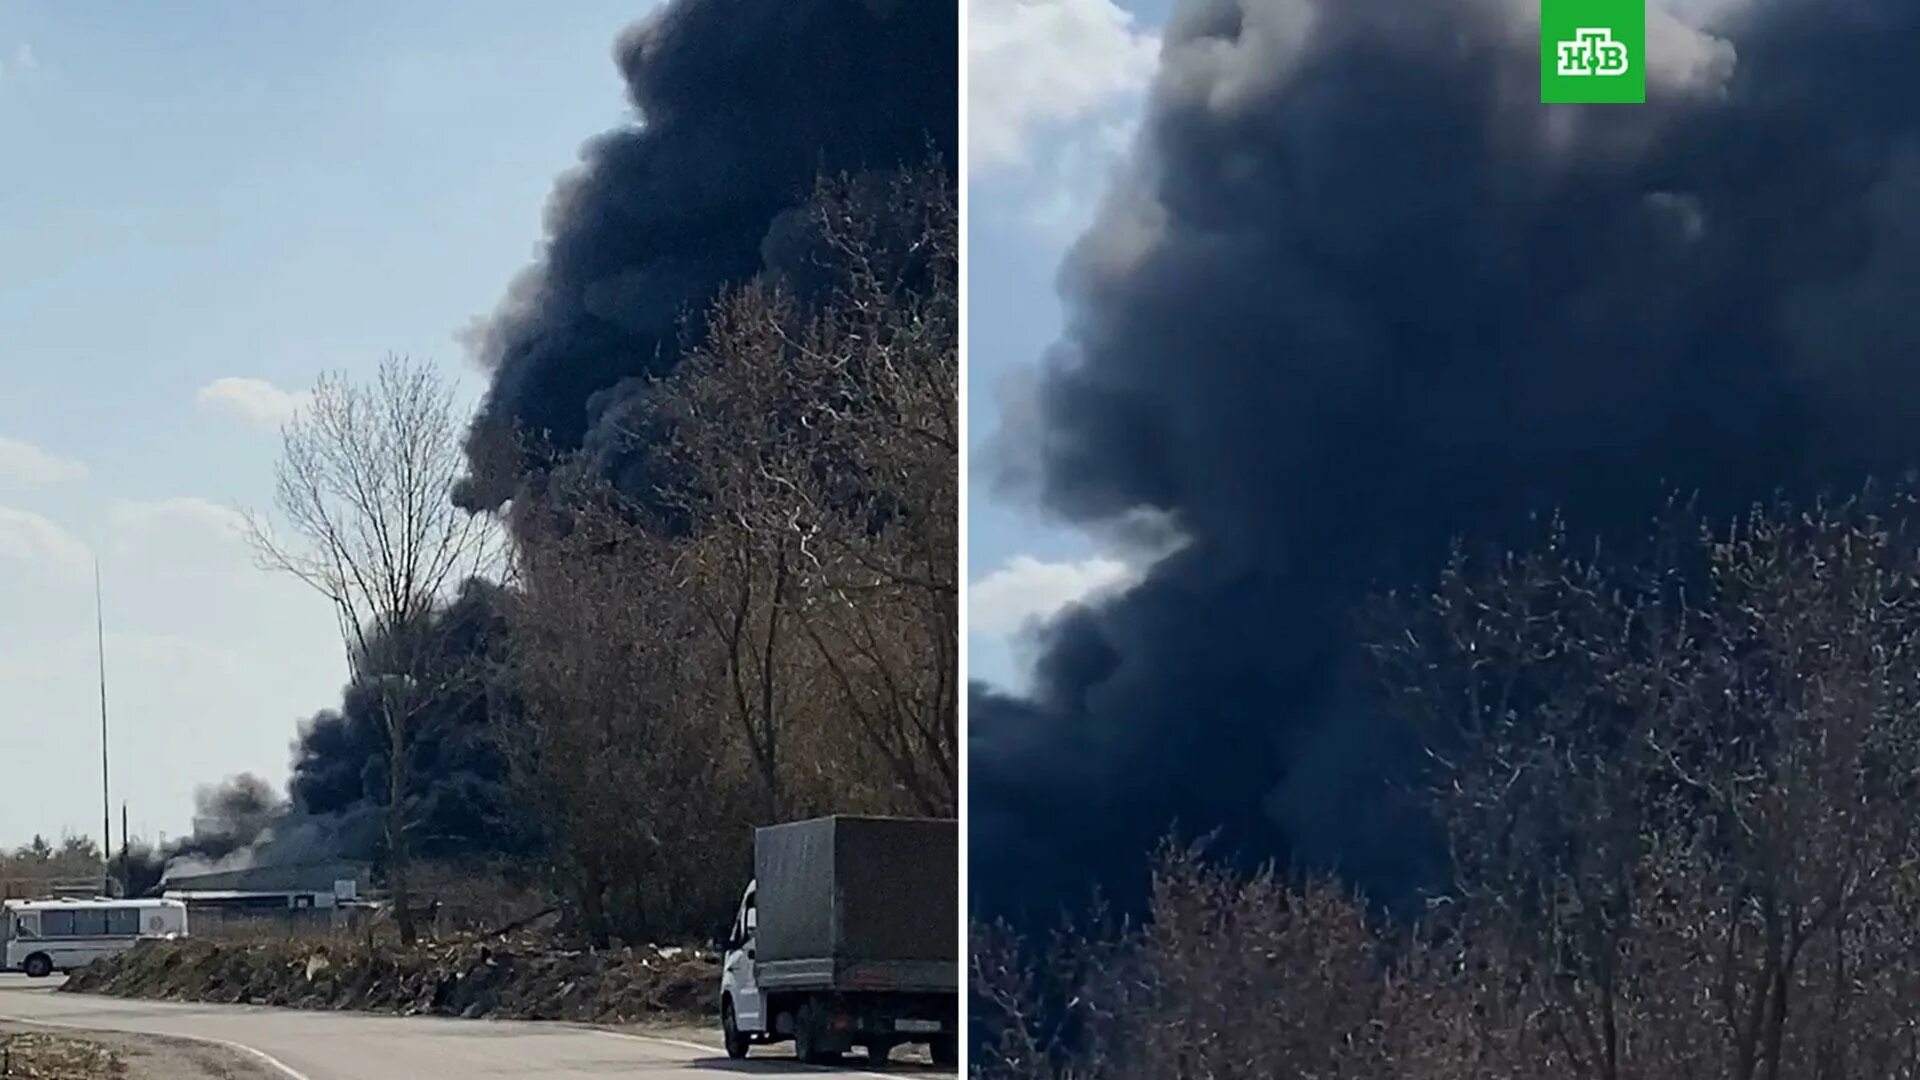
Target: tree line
754, 618
1677, 791
39, 866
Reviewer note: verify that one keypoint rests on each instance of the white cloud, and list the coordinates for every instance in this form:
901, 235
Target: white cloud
1038, 66
201, 518
1063, 193
181, 534
256, 401
1027, 589
26, 465
36, 541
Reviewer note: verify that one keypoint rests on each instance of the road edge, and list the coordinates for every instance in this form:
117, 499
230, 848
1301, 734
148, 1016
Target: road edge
291, 1073
259, 1055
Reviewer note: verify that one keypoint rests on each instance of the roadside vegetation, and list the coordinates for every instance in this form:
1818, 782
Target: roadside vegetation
1677, 791
39, 868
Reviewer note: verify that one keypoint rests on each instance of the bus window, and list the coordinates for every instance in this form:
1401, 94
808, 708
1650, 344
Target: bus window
56, 924
123, 922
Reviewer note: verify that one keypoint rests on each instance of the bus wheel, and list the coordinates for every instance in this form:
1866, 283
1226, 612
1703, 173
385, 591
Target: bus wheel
38, 966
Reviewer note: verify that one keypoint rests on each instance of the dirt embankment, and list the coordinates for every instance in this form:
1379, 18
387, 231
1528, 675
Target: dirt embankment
506, 981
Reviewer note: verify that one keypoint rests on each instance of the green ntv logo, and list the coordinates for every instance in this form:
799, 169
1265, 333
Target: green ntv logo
1593, 52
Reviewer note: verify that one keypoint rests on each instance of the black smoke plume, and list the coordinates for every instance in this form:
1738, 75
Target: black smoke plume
741, 105
232, 821
1358, 294
459, 799
460, 802
228, 817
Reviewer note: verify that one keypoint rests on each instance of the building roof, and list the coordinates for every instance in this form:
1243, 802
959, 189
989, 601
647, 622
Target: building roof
57, 903
290, 877
174, 893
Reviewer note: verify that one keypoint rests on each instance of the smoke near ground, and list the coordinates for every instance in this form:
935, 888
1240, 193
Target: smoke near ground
227, 818
459, 799
1359, 294
457, 789
741, 106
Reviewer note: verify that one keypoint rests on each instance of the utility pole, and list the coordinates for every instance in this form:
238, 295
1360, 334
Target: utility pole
100, 639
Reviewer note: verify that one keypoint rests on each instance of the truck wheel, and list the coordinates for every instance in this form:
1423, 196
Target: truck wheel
38, 966
878, 1052
945, 1050
730, 1029
806, 1044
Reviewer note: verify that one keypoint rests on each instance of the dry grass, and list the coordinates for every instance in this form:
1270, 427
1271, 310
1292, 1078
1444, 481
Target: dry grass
278, 931
37, 1056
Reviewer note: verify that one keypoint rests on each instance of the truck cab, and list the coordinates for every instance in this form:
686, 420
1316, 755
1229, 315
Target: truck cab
743, 1018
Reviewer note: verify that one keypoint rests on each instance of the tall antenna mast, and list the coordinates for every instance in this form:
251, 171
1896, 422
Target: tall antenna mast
100, 637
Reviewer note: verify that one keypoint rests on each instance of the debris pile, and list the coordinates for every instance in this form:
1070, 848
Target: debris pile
467, 979
36, 1056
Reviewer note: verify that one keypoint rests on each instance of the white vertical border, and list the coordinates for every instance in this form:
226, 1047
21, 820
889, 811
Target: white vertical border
966, 960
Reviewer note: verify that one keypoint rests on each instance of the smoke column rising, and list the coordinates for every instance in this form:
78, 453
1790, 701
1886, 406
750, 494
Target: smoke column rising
1357, 294
742, 103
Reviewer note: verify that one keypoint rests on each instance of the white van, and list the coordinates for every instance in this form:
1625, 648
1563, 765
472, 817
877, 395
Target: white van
45, 936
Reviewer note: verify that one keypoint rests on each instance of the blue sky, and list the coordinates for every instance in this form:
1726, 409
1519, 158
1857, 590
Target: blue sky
1054, 94
206, 205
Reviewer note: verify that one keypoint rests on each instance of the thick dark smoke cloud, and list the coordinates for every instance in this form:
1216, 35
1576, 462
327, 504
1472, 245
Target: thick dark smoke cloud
460, 802
231, 821
1359, 294
230, 816
742, 104
459, 799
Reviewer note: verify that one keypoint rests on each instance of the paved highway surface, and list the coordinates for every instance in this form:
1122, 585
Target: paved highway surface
296, 1045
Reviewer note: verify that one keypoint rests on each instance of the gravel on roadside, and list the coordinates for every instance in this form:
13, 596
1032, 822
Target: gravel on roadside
34, 1053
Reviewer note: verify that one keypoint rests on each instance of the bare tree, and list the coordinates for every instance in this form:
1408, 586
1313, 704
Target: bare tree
366, 518
729, 407
1679, 792
817, 440
875, 486
619, 676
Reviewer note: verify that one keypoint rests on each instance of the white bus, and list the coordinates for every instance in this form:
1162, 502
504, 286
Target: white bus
45, 936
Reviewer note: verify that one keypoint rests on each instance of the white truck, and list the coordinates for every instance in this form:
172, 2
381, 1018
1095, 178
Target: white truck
849, 935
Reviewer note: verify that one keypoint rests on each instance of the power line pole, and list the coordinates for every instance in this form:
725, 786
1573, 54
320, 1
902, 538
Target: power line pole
100, 639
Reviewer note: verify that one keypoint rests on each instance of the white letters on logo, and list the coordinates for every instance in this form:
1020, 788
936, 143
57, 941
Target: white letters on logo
1592, 52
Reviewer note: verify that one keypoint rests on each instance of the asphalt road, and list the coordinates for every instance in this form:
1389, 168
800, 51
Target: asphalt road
297, 1045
